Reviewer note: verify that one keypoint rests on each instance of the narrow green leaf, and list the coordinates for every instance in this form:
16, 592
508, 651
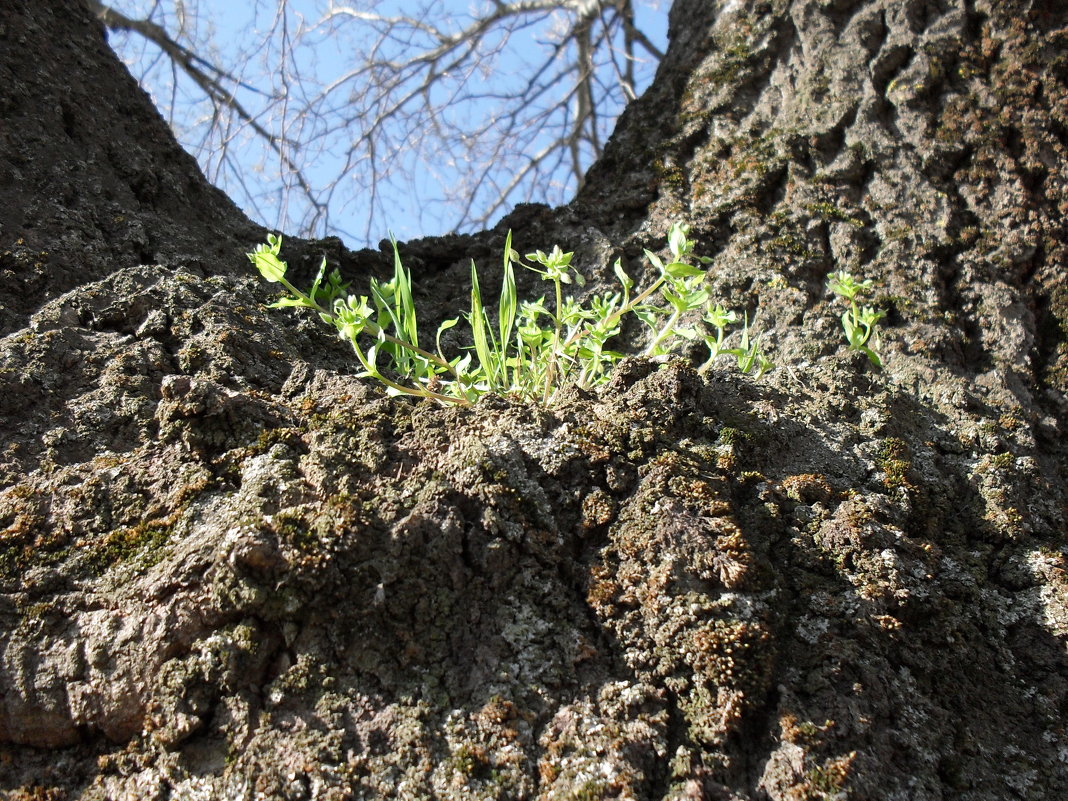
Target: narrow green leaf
478, 323
763, 365
872, 356
624, 279
318, 280
445, 326
848, 326
408, 329
508, 301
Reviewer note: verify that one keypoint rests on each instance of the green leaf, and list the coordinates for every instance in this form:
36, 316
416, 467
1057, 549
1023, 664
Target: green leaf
869, 316
445, 326
674, 300
678, 269
318, 280
532, 335
872, 356
266, 260
677, 242
624, 279
851, 329
695, 300
478, 323
461, 365
336, 287
648, 315
404, 305
508, 301
719, 317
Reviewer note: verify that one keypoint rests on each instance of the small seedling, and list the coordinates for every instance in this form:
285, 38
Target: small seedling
535, 347
858, 322
748, 353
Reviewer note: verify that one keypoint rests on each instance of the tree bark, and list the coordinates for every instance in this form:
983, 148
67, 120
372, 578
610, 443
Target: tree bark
91, 177
229, 568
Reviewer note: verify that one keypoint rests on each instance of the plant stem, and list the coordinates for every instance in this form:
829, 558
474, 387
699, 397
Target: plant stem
550, 375
421, 392
611, 319
662, 335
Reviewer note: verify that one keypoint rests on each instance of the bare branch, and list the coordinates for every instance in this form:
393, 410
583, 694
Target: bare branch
461, 115
210, 79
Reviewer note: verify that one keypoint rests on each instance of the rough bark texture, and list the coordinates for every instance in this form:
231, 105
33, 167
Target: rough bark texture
229, 569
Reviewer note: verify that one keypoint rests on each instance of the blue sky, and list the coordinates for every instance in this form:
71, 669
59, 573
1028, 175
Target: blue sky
236, 35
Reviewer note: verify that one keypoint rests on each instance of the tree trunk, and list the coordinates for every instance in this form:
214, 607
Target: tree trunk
231, 569
91, 177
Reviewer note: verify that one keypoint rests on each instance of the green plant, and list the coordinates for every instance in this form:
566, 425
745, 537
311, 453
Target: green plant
858, 322
352, 316
536, 346
748, 352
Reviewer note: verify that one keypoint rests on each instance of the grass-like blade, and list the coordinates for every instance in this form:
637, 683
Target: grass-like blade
403, 302
507, 307
479, 329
